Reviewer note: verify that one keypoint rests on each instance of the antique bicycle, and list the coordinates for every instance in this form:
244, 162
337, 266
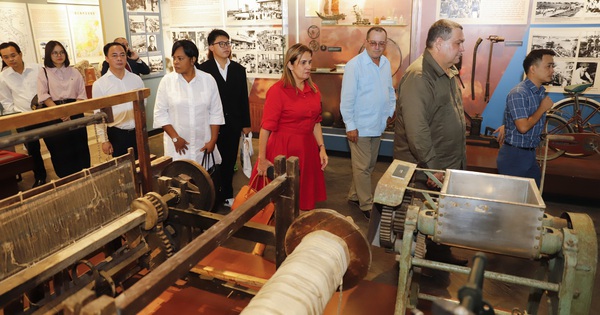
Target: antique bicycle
574, 124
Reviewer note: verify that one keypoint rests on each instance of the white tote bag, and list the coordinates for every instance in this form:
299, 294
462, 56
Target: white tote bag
246, 153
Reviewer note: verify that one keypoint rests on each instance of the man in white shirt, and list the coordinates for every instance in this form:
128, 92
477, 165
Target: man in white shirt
120, 133
18, 85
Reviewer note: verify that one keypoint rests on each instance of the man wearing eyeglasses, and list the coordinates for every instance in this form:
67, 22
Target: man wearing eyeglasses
430, 122
134, 63
367, 100
233, 89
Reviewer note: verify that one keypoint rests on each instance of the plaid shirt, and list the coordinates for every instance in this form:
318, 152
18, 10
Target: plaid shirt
522, 101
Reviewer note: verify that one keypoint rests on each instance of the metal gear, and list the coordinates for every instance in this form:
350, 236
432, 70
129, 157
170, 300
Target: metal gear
400, 215
387, 237
420, 247
166, 244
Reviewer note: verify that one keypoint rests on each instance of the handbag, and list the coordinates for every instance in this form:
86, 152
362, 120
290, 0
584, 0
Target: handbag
215, 174
247, 191
35, 104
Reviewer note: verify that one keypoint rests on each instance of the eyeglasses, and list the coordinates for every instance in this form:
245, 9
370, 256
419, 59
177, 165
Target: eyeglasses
223, 44
58, 53
374, 44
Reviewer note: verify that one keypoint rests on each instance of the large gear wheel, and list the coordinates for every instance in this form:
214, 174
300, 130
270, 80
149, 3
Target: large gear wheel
162, 210
387, 237
200, 182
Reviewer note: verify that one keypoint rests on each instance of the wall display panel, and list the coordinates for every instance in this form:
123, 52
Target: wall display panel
565, 12
86, 31
255, 27
15, 28
51, 22
577, 55
484, 11
144, 28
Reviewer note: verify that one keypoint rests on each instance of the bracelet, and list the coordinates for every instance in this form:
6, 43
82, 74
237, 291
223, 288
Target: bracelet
322, 145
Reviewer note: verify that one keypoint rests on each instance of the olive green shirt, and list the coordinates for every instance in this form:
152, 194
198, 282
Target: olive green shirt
430, 123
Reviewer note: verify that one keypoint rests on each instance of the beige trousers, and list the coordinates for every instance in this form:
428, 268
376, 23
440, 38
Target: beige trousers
364, 156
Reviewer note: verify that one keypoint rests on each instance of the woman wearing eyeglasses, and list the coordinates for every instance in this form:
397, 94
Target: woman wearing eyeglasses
188, 107
233, 89
60, 84
291, 126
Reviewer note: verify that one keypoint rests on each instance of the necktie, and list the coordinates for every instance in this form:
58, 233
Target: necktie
127, 66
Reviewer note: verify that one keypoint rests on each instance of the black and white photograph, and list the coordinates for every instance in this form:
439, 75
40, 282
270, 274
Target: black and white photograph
248, 60
590, 45
254, 12
460, 9
156, 63
562, 73
559, 9
593, 7
152, 24
584, 73
138, 43
564, 46
270, 40
197, 36
136, 24
243, 39
143, 6
271, 64
152, 43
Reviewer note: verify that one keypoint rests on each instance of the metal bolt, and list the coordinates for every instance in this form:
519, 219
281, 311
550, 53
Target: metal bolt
537, 238
540, 218
441, 214
536, 247
441, 206
576, 294
570, 243
539, 228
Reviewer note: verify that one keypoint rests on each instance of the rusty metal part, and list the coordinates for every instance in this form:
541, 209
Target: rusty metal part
387, 237
333, 222
200, 184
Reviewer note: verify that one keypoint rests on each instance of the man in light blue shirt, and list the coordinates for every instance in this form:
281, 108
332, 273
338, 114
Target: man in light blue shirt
367, 100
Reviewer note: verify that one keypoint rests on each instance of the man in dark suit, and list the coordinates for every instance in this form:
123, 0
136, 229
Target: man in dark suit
152, 43
134, 63
233, 88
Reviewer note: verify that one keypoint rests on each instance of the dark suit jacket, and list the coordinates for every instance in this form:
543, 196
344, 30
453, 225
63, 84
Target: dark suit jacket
234, 93
137, 68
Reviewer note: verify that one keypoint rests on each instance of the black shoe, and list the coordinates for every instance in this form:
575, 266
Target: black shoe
38, 182
367, 214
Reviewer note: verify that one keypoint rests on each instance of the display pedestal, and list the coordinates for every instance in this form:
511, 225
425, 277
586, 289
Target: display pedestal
335, 140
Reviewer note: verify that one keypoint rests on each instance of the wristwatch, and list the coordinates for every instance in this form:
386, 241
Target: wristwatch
174, 139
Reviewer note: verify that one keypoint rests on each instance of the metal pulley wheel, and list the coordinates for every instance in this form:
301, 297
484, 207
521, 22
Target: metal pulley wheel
200, 184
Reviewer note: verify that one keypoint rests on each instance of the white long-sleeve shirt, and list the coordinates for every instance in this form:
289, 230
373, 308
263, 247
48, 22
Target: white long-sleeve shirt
190, 108
17, 89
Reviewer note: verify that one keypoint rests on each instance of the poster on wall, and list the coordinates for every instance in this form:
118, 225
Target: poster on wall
565, 12
196, 13
51, 23
145, 33
577, 55
15, 28
86, 30
253, 12
484, 11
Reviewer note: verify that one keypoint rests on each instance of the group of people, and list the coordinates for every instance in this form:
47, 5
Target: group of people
203, 108
55, 84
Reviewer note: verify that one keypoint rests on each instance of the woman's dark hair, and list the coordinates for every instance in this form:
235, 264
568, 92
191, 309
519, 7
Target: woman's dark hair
189, 49
6, 45
48, 54
212, 36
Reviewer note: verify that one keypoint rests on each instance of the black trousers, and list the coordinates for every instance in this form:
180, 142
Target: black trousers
69, 151
229, 144
33, 150
121, 140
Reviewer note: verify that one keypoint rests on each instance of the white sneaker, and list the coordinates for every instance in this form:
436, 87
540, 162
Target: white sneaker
228, 202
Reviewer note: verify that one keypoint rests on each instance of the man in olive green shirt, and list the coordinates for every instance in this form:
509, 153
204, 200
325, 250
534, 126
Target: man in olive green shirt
430, 124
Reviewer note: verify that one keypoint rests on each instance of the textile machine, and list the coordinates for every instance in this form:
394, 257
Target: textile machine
491, 213
112, 238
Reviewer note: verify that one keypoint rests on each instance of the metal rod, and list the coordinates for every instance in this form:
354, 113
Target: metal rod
51, 130
488, 274
477, 43
152, 285
433, 298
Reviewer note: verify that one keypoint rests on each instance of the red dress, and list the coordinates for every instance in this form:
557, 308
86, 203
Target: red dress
291, 116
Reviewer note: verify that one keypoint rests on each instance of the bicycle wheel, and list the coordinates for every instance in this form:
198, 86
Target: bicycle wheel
590, 113
554, 125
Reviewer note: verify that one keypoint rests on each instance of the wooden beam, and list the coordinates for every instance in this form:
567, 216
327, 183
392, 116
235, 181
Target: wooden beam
152, 285
11, 122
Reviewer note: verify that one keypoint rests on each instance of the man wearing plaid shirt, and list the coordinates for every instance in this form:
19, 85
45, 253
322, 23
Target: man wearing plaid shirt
525, 115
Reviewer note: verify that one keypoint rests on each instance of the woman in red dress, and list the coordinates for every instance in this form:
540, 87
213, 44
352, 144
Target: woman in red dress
291, 126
